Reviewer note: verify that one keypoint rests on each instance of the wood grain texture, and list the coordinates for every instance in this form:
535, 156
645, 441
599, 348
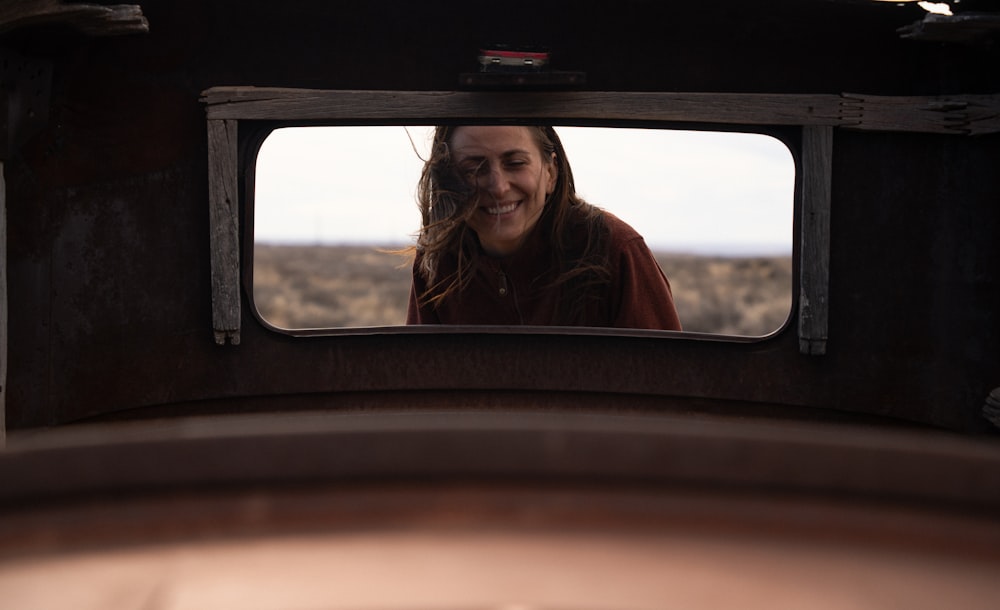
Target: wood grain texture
325, 105
224, 219
958, 114
817, 163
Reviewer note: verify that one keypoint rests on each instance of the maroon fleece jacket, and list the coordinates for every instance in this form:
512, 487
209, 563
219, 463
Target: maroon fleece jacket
517, 289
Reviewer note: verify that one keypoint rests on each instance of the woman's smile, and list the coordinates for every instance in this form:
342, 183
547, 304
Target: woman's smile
501, 209
511, 180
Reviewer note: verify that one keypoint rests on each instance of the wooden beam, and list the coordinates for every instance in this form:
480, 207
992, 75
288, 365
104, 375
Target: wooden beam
268, 103
955, 114
814, 274
224, 226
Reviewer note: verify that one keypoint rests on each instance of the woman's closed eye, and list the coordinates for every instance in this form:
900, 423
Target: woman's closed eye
483, 168
475, 169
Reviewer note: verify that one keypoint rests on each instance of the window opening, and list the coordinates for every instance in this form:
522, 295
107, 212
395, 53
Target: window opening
332, 204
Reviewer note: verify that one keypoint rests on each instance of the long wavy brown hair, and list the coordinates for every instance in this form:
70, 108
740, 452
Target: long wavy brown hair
576, 229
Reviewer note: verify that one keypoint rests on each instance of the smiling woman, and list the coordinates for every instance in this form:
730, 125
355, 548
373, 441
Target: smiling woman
506, 240
715, 207
511, 180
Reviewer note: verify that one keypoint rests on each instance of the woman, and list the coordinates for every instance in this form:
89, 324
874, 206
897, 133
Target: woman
505, 240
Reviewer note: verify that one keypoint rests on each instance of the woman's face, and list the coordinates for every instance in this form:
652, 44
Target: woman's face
505, 166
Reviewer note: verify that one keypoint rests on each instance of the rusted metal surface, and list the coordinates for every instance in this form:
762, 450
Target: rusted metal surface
894, 464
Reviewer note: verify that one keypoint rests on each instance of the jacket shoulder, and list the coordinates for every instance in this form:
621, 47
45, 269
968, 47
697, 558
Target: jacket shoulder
620, 233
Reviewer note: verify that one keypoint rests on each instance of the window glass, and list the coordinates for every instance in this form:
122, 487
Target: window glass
334, 205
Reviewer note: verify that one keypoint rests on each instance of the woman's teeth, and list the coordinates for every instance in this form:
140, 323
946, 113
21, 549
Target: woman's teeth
501, 209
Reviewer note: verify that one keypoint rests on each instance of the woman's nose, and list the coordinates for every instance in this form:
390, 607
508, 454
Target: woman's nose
497, 183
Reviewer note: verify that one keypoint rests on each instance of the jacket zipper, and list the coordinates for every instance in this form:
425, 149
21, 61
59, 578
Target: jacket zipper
504, 290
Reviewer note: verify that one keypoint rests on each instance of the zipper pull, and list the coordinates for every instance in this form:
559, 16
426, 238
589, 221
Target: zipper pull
503, 283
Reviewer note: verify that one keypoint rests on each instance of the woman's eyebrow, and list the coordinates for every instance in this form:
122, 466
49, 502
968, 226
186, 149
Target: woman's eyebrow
479, 157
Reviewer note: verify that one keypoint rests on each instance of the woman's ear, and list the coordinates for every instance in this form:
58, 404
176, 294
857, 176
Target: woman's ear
553, 175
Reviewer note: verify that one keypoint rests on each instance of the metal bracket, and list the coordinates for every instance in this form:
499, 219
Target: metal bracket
25, 89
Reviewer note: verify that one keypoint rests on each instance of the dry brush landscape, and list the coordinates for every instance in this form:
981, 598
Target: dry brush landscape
352, 286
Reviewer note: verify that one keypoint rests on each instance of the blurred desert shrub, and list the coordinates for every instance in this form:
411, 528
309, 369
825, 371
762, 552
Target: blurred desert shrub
301, 287
730, 296
327, 287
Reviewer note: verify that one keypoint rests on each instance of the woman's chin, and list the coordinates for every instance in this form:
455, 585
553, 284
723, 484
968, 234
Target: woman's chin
502, 234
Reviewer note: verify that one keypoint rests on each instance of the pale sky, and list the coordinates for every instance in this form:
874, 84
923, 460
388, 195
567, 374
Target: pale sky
703, 192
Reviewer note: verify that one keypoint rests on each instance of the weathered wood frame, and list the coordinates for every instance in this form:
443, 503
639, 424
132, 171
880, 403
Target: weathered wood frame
816, 114
224, 210
814, 235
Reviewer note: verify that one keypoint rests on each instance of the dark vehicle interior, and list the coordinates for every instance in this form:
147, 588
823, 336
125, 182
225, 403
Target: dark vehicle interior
165, 446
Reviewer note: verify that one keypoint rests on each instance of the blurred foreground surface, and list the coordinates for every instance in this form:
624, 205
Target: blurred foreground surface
707, 552
497, 511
